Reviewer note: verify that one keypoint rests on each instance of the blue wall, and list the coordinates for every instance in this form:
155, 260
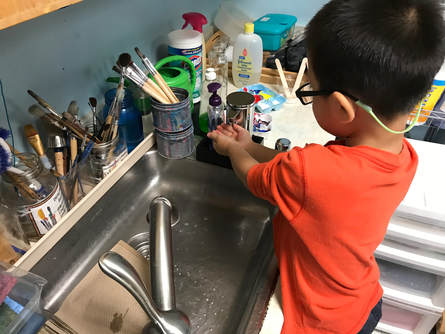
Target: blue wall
66, 55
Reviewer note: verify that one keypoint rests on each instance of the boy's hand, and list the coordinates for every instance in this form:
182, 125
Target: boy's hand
238, 133
222, 141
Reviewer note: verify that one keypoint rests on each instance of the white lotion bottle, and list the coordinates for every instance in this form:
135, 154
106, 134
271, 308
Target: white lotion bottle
247, 57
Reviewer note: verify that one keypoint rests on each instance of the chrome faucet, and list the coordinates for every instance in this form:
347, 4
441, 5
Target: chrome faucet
161, 309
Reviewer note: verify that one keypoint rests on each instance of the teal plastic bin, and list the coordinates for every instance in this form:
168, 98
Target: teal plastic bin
274, 30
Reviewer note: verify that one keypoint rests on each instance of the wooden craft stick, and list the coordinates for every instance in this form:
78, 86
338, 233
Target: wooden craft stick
301, 71
283, 78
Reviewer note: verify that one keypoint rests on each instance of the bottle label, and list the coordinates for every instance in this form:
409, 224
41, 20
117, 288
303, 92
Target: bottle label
112, 165
195, 56
244, 67
45, 214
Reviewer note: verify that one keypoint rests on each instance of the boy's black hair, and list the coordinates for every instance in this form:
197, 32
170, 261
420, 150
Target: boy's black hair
384, 52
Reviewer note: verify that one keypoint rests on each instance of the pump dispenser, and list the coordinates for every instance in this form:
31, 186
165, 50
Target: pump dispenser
216, 110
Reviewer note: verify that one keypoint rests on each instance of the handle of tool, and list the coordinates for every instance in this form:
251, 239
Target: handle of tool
167, 90
73, 155
107, 126
155, 91
58, 161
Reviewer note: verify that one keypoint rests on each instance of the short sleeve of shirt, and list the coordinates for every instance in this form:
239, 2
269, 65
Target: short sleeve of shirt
280, 181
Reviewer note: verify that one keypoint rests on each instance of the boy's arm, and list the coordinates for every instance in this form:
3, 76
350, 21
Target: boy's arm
225, 144
261, 153
242, 161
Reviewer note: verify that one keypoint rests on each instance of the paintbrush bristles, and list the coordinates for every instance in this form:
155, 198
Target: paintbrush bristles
124, 60
29, 130
93, 102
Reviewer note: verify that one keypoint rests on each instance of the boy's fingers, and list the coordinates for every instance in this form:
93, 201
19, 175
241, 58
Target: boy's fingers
237, 128
225, 132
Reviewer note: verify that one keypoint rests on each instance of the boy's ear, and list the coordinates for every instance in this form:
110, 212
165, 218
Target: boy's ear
345, 106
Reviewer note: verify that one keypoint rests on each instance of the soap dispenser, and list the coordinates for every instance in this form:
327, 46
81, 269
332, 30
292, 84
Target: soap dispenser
215, 109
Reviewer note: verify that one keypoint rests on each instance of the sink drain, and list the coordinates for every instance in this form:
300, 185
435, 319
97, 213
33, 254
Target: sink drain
141, 242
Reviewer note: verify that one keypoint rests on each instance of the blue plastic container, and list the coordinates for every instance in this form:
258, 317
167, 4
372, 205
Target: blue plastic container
130, 120
274, 30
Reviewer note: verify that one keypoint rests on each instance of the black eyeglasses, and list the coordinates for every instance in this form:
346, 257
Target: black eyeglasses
306, 94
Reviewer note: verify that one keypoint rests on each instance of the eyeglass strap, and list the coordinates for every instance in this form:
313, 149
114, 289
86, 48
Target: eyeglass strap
368, 109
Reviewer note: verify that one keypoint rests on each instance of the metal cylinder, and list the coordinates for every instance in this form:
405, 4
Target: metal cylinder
161, 256
240, 109
282, 144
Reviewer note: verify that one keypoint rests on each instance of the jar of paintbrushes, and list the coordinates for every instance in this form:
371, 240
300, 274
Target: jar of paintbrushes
105, 157
34, 194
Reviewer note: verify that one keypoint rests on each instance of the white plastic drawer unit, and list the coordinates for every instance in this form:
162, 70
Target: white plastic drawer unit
402, 319
404, 285
412, 300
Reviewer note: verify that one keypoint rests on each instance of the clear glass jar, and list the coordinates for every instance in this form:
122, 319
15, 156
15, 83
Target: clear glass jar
34, 194
218, 60
13, 242
105, 157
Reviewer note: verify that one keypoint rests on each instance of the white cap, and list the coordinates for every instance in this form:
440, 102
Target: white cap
210, 74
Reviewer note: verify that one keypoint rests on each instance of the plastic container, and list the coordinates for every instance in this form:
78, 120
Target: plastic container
400, 318
215, 109
35, 196
105, 157
175, 145
275, 30
247, 58
173, 117
210, 76
230, 19
188, 43
22, 301
130, 120
218, 61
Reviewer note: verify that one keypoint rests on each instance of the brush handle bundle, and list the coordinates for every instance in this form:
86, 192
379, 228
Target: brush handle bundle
158, 78
131, 71
55, 118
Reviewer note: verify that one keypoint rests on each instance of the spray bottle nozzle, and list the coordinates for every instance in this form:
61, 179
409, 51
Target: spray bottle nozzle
196, 20
215, 99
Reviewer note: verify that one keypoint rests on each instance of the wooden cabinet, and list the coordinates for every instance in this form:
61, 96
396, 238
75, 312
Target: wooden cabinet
13, 12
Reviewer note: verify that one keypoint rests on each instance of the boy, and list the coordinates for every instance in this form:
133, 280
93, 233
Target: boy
366, 57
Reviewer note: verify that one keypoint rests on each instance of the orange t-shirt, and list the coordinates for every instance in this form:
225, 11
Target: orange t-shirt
335, 205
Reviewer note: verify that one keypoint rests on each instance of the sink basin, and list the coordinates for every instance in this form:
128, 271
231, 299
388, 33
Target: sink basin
224, 265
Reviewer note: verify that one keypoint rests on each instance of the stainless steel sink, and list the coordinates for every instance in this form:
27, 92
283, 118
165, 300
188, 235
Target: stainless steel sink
222, 247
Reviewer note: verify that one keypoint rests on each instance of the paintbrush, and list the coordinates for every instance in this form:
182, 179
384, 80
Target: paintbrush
92, 102
48, 118
34, 140
58, 144
114, 109
17, 175
159, 79
135, 74
75, 129
73, 109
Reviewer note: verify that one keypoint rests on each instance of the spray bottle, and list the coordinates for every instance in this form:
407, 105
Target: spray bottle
189, 43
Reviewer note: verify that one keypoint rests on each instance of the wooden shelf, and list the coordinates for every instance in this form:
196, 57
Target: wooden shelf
13, 12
